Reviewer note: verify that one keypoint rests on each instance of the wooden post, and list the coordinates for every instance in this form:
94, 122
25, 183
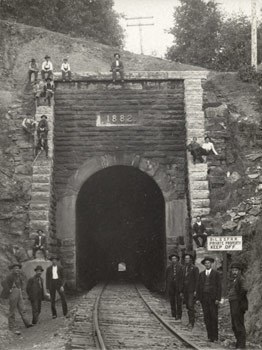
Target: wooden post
224, 283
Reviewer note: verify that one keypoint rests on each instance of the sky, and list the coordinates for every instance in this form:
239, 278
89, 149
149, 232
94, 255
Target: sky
155, 39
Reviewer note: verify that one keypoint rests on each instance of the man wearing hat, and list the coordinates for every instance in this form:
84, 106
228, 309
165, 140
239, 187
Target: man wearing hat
35, 291
49, 90
117, 66
190, 275
66, 71
55, 283
199, 232
42, 134
39, 243
13, 285
237, 297
173, 285
209, 294
33, 69
47, 68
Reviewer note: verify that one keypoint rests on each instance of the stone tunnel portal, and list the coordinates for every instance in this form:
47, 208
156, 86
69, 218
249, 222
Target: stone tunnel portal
120, 217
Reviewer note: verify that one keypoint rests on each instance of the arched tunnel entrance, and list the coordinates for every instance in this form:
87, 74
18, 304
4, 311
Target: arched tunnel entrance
120, 218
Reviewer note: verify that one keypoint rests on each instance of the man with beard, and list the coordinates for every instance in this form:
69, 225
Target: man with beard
173, 285
35, 291
189, 288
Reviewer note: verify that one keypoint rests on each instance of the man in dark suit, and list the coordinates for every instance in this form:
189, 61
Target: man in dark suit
40, 243
190, 277
209, 294
199, 231
117, 66
174, 285
55, 283
237, 297
35, 291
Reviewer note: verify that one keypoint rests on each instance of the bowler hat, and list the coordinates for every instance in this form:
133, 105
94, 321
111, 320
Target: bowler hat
54, 258
190, 254
43, 116
207, 258
174, 254
39, 230
46, 56
116, 54
14, 265
39, 268
236, 265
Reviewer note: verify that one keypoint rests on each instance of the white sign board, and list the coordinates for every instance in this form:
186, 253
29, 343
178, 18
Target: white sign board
224, 243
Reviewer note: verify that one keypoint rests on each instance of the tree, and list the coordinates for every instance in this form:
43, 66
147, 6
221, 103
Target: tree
204, 37
196, 32
234, 48
83, 18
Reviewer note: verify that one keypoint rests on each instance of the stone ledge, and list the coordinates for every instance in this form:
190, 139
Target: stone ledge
136, 75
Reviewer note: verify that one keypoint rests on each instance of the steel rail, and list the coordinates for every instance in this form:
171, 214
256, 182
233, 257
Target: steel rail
167, 325
98, 332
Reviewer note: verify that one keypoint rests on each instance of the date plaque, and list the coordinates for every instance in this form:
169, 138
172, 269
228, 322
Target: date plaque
117, 119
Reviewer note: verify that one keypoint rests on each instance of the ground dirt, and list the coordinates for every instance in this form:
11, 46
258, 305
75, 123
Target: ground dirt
49, 334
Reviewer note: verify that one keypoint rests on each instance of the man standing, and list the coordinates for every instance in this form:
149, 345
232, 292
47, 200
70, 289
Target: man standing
42, 134
209, 294
117, 66
13, 286
173, 285
238, 304
40, 243
189, 288
199, 231
35, 291
49, 88
33, 69
55, 282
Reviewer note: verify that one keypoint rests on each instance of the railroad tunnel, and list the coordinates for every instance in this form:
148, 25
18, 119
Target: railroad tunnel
120, 219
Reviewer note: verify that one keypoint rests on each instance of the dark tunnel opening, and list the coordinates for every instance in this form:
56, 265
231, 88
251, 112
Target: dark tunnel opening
120, 215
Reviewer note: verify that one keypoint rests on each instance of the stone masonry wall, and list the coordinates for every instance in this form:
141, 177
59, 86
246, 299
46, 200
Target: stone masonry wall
42, 205
156, 144
159, 135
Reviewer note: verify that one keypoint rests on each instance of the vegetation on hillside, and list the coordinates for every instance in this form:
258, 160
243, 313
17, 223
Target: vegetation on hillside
204, 36
82, 18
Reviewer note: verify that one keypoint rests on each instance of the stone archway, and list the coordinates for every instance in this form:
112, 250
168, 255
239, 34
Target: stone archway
175, 209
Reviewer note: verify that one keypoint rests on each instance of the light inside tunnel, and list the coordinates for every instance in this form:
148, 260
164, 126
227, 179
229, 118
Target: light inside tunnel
120, 219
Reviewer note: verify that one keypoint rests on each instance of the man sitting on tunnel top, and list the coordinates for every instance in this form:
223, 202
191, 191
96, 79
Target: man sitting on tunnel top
117, 66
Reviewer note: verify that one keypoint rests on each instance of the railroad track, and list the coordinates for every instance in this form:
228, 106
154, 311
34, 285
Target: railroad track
125, 316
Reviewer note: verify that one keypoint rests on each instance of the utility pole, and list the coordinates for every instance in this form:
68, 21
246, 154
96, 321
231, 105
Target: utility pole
254, 34
140, 25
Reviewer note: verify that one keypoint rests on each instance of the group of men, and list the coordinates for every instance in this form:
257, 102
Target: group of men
117, 67
44, 87
29, 125
186, 284
200, 152
15, 285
